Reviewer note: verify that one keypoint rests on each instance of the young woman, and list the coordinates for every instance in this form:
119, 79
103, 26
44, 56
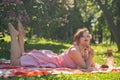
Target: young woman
79, 55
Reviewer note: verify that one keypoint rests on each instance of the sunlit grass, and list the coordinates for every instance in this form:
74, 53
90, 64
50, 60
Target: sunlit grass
46, 41
100, 53
7, 38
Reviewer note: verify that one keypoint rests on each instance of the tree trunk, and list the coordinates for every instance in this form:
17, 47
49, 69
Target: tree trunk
111, 23
112, 39
100, 36
38, 28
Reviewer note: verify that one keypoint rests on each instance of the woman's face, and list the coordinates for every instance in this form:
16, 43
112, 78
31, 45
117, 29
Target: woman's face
85, 39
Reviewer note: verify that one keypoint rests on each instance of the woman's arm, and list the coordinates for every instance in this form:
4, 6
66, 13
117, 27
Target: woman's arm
89, 60
76, 56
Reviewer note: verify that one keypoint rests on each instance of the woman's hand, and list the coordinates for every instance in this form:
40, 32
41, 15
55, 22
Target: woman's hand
90, 51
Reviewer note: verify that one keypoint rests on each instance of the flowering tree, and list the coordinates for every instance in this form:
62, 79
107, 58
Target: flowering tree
10, 11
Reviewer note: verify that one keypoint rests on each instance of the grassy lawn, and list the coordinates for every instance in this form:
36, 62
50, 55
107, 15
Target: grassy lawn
59, 47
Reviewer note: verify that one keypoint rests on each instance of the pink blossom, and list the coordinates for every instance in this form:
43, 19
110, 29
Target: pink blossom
5, 2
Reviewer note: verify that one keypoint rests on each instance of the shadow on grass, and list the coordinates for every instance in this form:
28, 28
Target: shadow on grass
55, 48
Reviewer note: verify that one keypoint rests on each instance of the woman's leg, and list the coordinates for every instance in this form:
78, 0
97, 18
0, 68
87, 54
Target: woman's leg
15, 48
21, 36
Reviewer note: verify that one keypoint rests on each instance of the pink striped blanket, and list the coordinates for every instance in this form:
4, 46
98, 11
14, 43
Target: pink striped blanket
8, 70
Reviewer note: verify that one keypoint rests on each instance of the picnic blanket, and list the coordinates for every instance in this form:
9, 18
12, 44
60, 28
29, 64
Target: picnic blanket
8, 70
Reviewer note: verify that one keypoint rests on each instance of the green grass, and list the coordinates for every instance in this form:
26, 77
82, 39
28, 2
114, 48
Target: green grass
87, 76
59, 47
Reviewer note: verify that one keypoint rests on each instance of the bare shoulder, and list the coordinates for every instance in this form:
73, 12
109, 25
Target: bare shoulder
74, 53
73, 49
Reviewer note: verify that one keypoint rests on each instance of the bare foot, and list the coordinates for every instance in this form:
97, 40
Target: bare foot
13, 31
21, 29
